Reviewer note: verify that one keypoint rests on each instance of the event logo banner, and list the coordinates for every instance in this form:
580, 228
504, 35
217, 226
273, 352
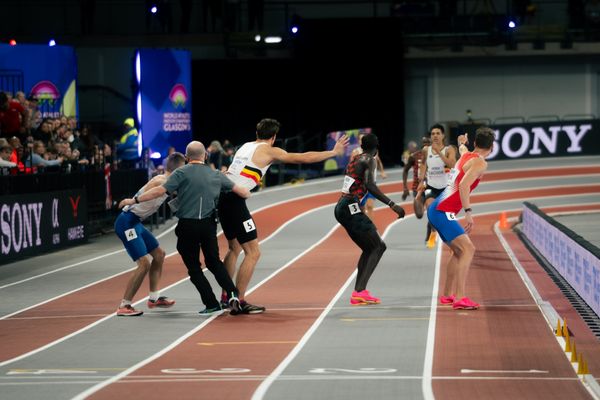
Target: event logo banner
32, 224
164, 99
45, 73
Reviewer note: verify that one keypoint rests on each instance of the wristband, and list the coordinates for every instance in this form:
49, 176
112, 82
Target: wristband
136, 200
391, 203
468, 209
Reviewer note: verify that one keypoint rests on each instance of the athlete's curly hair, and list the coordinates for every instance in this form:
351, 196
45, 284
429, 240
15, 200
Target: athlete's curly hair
369, 142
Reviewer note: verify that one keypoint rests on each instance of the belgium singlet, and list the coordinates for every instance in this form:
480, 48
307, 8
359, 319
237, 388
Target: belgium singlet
449, 200
436, 174
242, 171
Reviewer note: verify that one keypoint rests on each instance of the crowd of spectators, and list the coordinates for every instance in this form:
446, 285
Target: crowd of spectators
30, 143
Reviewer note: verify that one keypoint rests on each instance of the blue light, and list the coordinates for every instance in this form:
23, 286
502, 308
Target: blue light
138, 68
294, 29
511, 24
154, 9
52, 43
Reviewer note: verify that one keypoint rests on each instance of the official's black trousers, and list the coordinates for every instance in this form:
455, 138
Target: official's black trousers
196, 234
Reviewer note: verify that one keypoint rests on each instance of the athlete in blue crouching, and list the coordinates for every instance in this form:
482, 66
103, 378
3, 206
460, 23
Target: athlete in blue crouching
139, 242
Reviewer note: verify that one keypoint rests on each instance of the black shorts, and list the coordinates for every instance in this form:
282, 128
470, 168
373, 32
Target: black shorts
432, 193
350, 216
236, 221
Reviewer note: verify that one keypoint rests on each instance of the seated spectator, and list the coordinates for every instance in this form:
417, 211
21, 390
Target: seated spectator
44, 132
39, 158
6, 151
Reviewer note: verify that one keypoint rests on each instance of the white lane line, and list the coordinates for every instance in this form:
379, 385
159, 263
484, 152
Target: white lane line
181, 339
62, 339
266, 384
546, 309
76, 264
72, 334
303, 378
430, 346
261, 209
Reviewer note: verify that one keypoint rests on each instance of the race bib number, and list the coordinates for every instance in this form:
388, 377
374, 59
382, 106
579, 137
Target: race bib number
452, 176
130, 234
249, 225
348, 181
451, 216
354, 208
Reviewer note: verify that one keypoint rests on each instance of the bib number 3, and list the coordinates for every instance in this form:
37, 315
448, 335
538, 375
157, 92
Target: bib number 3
354, 208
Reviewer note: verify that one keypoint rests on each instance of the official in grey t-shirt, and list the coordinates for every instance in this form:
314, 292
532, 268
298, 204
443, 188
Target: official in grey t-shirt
198, 188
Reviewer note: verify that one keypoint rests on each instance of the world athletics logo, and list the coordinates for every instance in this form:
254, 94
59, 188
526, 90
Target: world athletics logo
178, 96
45, 92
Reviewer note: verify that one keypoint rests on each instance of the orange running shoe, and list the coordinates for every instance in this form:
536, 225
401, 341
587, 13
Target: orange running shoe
128, 311
161, 302
363, 297
447, 300
465, 304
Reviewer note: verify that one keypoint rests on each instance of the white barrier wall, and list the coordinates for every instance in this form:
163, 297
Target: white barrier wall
579, 266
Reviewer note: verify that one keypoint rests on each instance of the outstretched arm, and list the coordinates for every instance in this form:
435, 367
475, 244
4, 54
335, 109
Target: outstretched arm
310, 156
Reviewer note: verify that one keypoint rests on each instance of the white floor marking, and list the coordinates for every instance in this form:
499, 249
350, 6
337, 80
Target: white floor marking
430, 346
266, 384
76, 264
499, 371
181, 339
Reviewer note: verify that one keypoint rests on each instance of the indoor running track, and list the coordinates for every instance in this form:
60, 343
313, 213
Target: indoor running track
61, 340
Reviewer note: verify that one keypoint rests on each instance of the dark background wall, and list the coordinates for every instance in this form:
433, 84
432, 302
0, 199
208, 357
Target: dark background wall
338, 78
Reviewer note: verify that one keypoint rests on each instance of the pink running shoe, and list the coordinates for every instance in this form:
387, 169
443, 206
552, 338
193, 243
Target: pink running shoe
128, 311
447, 300
363, 297
161, 302
465, 304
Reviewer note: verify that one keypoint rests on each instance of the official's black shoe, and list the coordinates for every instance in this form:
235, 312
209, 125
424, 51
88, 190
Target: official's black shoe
209, 311
247, 308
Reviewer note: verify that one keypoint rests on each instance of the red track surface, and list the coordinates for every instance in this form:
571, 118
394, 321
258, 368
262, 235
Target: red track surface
22, 335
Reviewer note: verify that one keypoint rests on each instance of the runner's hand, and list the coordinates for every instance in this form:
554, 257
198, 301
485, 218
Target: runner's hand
340, 145
126, 202
469, 222
405, 194
463, 139
398, 210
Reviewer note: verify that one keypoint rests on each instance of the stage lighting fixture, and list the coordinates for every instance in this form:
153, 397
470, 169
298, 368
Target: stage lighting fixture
512, 24
12, 42
155, 155
294, 29
257, 38
52, 43
273, 39
153, 9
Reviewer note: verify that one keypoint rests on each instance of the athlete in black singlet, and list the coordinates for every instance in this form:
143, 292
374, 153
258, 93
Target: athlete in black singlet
359, 180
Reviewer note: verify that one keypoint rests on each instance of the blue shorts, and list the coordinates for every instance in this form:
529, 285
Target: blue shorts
137, 239
365, 198
444, 223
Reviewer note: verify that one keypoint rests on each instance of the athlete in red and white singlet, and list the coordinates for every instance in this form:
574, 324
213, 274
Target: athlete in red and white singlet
464, 177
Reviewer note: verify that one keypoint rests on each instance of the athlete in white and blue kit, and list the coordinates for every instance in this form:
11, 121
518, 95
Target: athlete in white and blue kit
139, 242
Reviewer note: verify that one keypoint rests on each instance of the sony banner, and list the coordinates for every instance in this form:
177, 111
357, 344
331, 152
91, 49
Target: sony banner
34, 223
547, 139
